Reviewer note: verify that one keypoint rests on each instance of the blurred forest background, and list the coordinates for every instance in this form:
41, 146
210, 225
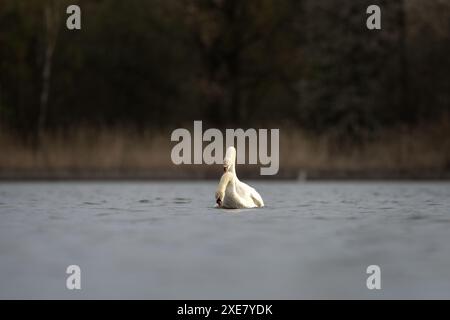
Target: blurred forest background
102, 101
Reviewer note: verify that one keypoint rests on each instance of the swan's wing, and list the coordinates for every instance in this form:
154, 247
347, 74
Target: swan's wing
257, 198
245, 191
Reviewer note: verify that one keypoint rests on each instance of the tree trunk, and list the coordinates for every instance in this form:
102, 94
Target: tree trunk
404, 98
52, 17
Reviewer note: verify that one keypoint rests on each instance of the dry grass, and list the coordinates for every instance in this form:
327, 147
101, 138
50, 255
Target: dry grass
87, 150
425, 147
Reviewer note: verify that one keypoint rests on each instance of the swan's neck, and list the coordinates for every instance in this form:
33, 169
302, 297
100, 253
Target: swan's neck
232, 170
231, 158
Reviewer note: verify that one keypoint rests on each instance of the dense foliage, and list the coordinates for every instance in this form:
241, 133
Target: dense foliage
163, 63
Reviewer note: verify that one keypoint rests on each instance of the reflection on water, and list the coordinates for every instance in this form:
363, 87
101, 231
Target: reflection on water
166, 240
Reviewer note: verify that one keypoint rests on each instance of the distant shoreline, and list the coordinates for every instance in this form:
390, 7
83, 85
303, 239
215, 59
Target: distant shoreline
415, 153
292, 175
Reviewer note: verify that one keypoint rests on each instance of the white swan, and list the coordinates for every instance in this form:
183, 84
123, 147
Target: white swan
232, 193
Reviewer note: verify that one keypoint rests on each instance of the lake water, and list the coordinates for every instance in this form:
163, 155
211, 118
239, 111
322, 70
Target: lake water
166, 240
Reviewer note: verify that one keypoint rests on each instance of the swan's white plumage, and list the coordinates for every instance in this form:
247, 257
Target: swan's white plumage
232, 193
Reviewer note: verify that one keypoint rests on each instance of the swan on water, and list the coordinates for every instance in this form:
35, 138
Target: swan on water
232, 193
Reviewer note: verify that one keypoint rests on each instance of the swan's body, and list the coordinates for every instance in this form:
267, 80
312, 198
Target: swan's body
232, 193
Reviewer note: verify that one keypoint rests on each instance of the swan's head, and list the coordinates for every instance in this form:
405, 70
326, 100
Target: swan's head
230, 159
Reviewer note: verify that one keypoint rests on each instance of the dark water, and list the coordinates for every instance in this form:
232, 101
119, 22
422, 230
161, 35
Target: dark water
165, 240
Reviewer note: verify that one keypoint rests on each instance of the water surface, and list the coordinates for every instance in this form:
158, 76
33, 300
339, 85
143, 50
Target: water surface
166, 240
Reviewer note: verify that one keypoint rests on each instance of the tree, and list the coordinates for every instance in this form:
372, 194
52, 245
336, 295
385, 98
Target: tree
52, 13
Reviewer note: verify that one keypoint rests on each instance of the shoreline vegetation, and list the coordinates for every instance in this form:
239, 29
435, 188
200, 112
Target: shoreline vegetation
84, 153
